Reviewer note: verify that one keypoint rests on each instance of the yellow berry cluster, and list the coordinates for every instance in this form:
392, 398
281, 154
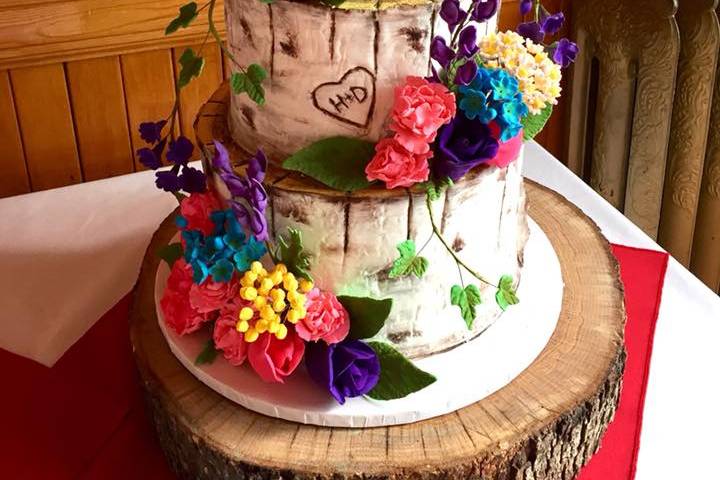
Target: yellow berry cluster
538, 76
274, 297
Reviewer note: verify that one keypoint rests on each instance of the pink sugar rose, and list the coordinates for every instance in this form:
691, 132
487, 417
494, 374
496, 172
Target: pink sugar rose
507, 151
226, 337
396, 166
326, 318
274, 359
178, 314
197, 209
420, 109
210, 296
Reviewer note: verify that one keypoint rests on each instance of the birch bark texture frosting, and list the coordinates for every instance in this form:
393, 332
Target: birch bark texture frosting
353, 238
332, 70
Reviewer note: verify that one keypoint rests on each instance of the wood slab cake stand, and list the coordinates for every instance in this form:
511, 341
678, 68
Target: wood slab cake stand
545, 424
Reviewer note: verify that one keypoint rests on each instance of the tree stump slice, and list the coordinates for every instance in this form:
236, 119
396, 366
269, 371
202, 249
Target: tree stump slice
545, 424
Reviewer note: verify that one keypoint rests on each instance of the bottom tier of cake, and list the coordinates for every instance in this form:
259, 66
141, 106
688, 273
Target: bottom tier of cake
353, 241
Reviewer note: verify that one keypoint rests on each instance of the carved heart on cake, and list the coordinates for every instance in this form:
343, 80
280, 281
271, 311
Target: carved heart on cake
350, 100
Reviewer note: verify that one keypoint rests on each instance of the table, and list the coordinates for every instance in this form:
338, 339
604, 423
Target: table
95, 253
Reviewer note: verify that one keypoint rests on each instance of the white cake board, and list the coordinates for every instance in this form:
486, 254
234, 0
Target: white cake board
465, 374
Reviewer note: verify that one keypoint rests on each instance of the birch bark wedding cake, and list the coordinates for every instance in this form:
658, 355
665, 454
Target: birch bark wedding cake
367, 207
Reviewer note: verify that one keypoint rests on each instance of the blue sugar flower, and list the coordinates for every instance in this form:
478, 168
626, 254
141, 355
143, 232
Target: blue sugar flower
222, 271
494, 96
476, 104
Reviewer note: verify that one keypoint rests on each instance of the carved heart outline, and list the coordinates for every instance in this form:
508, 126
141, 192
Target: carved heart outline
371, 107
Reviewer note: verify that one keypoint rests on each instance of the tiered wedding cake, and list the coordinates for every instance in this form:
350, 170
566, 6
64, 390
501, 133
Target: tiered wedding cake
369, 207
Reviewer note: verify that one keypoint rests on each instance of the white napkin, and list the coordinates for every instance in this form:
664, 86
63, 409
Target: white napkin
68, 255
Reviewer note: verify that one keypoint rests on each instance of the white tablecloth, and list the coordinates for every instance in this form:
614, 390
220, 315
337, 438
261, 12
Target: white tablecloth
68, 255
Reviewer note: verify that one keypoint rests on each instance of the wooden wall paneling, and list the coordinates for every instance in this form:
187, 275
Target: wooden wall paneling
13, 173
98, 102
705, 261
700, 42
149, 91
45, 118
36, 32
196, 93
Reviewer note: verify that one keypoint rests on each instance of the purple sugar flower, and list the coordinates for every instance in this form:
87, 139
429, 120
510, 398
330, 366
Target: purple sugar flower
167, 180
249, 198
451, 12
466, 73
467, 42
565, 52
525, 7
440, 52
151, 131
180, 150
551, 24
148, 158
484, 10
461, 145
346, 369
192, 180
531, 30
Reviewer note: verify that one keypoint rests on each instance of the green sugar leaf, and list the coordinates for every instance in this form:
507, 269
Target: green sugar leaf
171, 253
338, 162
208, 353
291, 253
399, 377
250, 83
367, 315
435, 189
191, 65
506, 295
533, 124
466, 299
267, 2
187, 14
409, 263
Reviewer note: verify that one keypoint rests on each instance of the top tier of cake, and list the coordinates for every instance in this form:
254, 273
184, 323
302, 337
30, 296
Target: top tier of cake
331, 71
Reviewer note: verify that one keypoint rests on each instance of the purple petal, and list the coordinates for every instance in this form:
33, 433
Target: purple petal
180, 151
148, 158
167, 180
257, 165
552, 24
525, 7
151, 132
467, 42
440, 52
221, 159
466, 73
565, 52
193, 180
451, 12
484, 10
531, 30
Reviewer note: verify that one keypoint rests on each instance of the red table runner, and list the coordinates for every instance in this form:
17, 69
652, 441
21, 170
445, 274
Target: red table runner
84, 418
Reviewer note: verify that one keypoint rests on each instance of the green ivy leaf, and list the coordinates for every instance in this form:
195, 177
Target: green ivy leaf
367, 315
291, 253
250, 83
467, 299
191, 65
506, 295
409, 262
208, 353
533, 124
187, 14
171, 253
399, 377
338, 162
436, 188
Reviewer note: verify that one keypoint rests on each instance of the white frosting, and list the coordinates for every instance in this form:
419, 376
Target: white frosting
307, 49
353, 245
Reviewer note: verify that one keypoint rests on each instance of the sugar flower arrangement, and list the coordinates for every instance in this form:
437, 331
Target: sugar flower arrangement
258, 301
